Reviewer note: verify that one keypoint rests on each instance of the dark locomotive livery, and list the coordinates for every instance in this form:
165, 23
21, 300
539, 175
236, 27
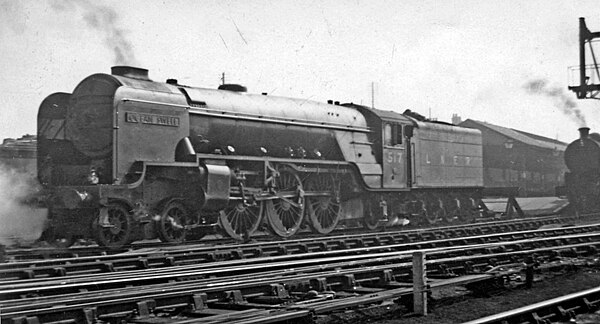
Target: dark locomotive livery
582, 158
126, 158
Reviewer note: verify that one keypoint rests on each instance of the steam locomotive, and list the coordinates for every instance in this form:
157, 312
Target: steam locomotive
125, 158
582, 158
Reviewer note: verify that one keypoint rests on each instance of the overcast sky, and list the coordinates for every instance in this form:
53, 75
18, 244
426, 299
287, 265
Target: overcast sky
478, 59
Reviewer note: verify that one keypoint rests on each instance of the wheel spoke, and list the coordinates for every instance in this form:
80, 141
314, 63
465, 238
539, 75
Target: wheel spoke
323, 212
285, 215
171, 226
239, 220
119, 229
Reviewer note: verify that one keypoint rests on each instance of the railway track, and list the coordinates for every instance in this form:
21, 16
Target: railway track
391, 235
562, 309
281, 287
337, 245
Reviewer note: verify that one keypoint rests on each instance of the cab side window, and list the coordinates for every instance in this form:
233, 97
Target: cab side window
392, 134
387, 134
397, 133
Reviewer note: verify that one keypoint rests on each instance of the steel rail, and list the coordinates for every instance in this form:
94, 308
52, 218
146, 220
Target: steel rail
73, 254
214, 291
205, 254
562, 309
498, 253
525, 238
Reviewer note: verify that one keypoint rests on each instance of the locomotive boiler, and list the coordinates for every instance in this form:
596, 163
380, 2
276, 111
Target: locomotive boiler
126, 158
582, 158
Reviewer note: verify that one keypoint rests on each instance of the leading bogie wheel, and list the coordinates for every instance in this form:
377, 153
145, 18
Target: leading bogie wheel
285, 212
172, 222
55, 239
115, 228
241, 219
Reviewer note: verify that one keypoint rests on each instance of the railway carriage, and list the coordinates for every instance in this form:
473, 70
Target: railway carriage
126, 158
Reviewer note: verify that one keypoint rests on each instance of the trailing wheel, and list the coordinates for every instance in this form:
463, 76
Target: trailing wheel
239, 220
172, 222
114, 226
323, 210
285, 212
371, 214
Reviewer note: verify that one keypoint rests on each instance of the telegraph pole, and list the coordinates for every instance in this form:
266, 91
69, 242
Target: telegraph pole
372, 94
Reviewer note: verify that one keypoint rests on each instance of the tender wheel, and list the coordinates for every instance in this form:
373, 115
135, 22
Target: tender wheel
172, 222
429, 212
240, 221
468, 209
437, 207
323, 211
285, 213
452, 210
371, 214
115, 228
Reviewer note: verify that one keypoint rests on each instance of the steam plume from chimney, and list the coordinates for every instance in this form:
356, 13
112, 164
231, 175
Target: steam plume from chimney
105, 20
560, 97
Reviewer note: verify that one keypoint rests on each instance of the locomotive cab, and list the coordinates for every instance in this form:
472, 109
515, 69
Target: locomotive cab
396, 150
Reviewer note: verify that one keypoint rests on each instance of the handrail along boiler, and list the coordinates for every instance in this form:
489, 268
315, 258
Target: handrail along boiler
126, 158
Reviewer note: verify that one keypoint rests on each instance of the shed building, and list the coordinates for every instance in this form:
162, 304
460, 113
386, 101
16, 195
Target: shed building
514, 158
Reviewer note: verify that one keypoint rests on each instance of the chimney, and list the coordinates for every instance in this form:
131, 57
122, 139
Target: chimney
456, 119
584, 132
130, 72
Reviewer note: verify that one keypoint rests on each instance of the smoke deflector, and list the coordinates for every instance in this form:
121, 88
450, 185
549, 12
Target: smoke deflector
130, 72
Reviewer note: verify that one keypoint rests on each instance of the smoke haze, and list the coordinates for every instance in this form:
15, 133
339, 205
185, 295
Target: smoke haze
105, 20
20, 224
562, 100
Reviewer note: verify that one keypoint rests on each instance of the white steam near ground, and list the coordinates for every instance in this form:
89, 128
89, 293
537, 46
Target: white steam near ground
20, 223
